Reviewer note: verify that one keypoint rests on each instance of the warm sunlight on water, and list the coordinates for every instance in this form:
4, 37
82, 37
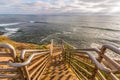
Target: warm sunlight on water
81, 31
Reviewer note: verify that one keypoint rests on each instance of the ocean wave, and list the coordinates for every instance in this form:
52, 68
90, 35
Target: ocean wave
32, 21
10, 24
38, 22
10, 31
107, 29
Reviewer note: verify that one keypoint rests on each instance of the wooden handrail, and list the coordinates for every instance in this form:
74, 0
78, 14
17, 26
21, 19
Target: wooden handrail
10, 47
89, 49
71, 53
27, 61
101, 67
22, 55
72, 57
114, 49
68, 44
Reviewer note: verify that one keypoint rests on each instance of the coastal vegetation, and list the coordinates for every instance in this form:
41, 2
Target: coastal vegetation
21, 45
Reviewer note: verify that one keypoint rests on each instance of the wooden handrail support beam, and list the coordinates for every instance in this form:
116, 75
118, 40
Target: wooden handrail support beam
10, 55
27, 61
51, 47
97, 62
64, 42
22, 55
10, 47
23, 64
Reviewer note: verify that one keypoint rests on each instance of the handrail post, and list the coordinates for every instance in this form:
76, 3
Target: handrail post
96, 68
51, 47
70, 58
51, 50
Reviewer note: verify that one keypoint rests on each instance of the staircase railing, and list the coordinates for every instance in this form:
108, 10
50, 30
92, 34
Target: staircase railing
32, 63
6, 71
87, 66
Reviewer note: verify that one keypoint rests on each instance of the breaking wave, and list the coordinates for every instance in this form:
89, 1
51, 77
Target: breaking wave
10, 31
10, 24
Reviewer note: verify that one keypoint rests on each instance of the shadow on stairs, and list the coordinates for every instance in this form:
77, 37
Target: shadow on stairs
57, 70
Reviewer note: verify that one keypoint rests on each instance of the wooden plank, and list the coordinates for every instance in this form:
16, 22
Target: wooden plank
44, 67
111, 61
8, 70
3, 62
36, 63
113, 77
82, 68
51, 47
26, 73
37, 68
9, 75
100, 75
73, 67
40, 69
84, 63
111, 66
38, 57
81, 55
5, 55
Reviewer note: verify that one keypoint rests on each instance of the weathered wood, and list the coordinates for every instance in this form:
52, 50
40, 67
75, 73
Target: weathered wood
3, 62
27, 61
74, 68
37, 62
9, 75
51, 47
82, 68
112, 48
38, 57
22, 56
37, 68
5, 55
111, 66
8, 70
100, 75
113, 77
88, 65
44, 67
33, 70
26, 72
82, 55
100, 66
111, 61
10, 47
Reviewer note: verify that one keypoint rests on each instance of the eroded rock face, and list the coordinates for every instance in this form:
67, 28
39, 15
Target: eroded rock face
1, 33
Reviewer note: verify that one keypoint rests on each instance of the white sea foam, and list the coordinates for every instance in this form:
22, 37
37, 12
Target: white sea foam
32, 21
10, 31
9, 24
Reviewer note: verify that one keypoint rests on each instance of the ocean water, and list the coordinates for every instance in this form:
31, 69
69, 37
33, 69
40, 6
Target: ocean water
82, 31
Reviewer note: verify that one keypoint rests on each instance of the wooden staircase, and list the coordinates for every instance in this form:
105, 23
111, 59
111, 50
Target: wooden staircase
61, 62
58, 70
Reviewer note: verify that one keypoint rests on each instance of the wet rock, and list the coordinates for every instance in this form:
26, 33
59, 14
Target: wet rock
1, 33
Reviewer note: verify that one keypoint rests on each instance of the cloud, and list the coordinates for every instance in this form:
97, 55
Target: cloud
59, 6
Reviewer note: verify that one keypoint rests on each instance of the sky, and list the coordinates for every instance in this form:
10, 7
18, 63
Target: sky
59, 6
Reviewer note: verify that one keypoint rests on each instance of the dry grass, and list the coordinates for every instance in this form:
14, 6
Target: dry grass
21, 46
